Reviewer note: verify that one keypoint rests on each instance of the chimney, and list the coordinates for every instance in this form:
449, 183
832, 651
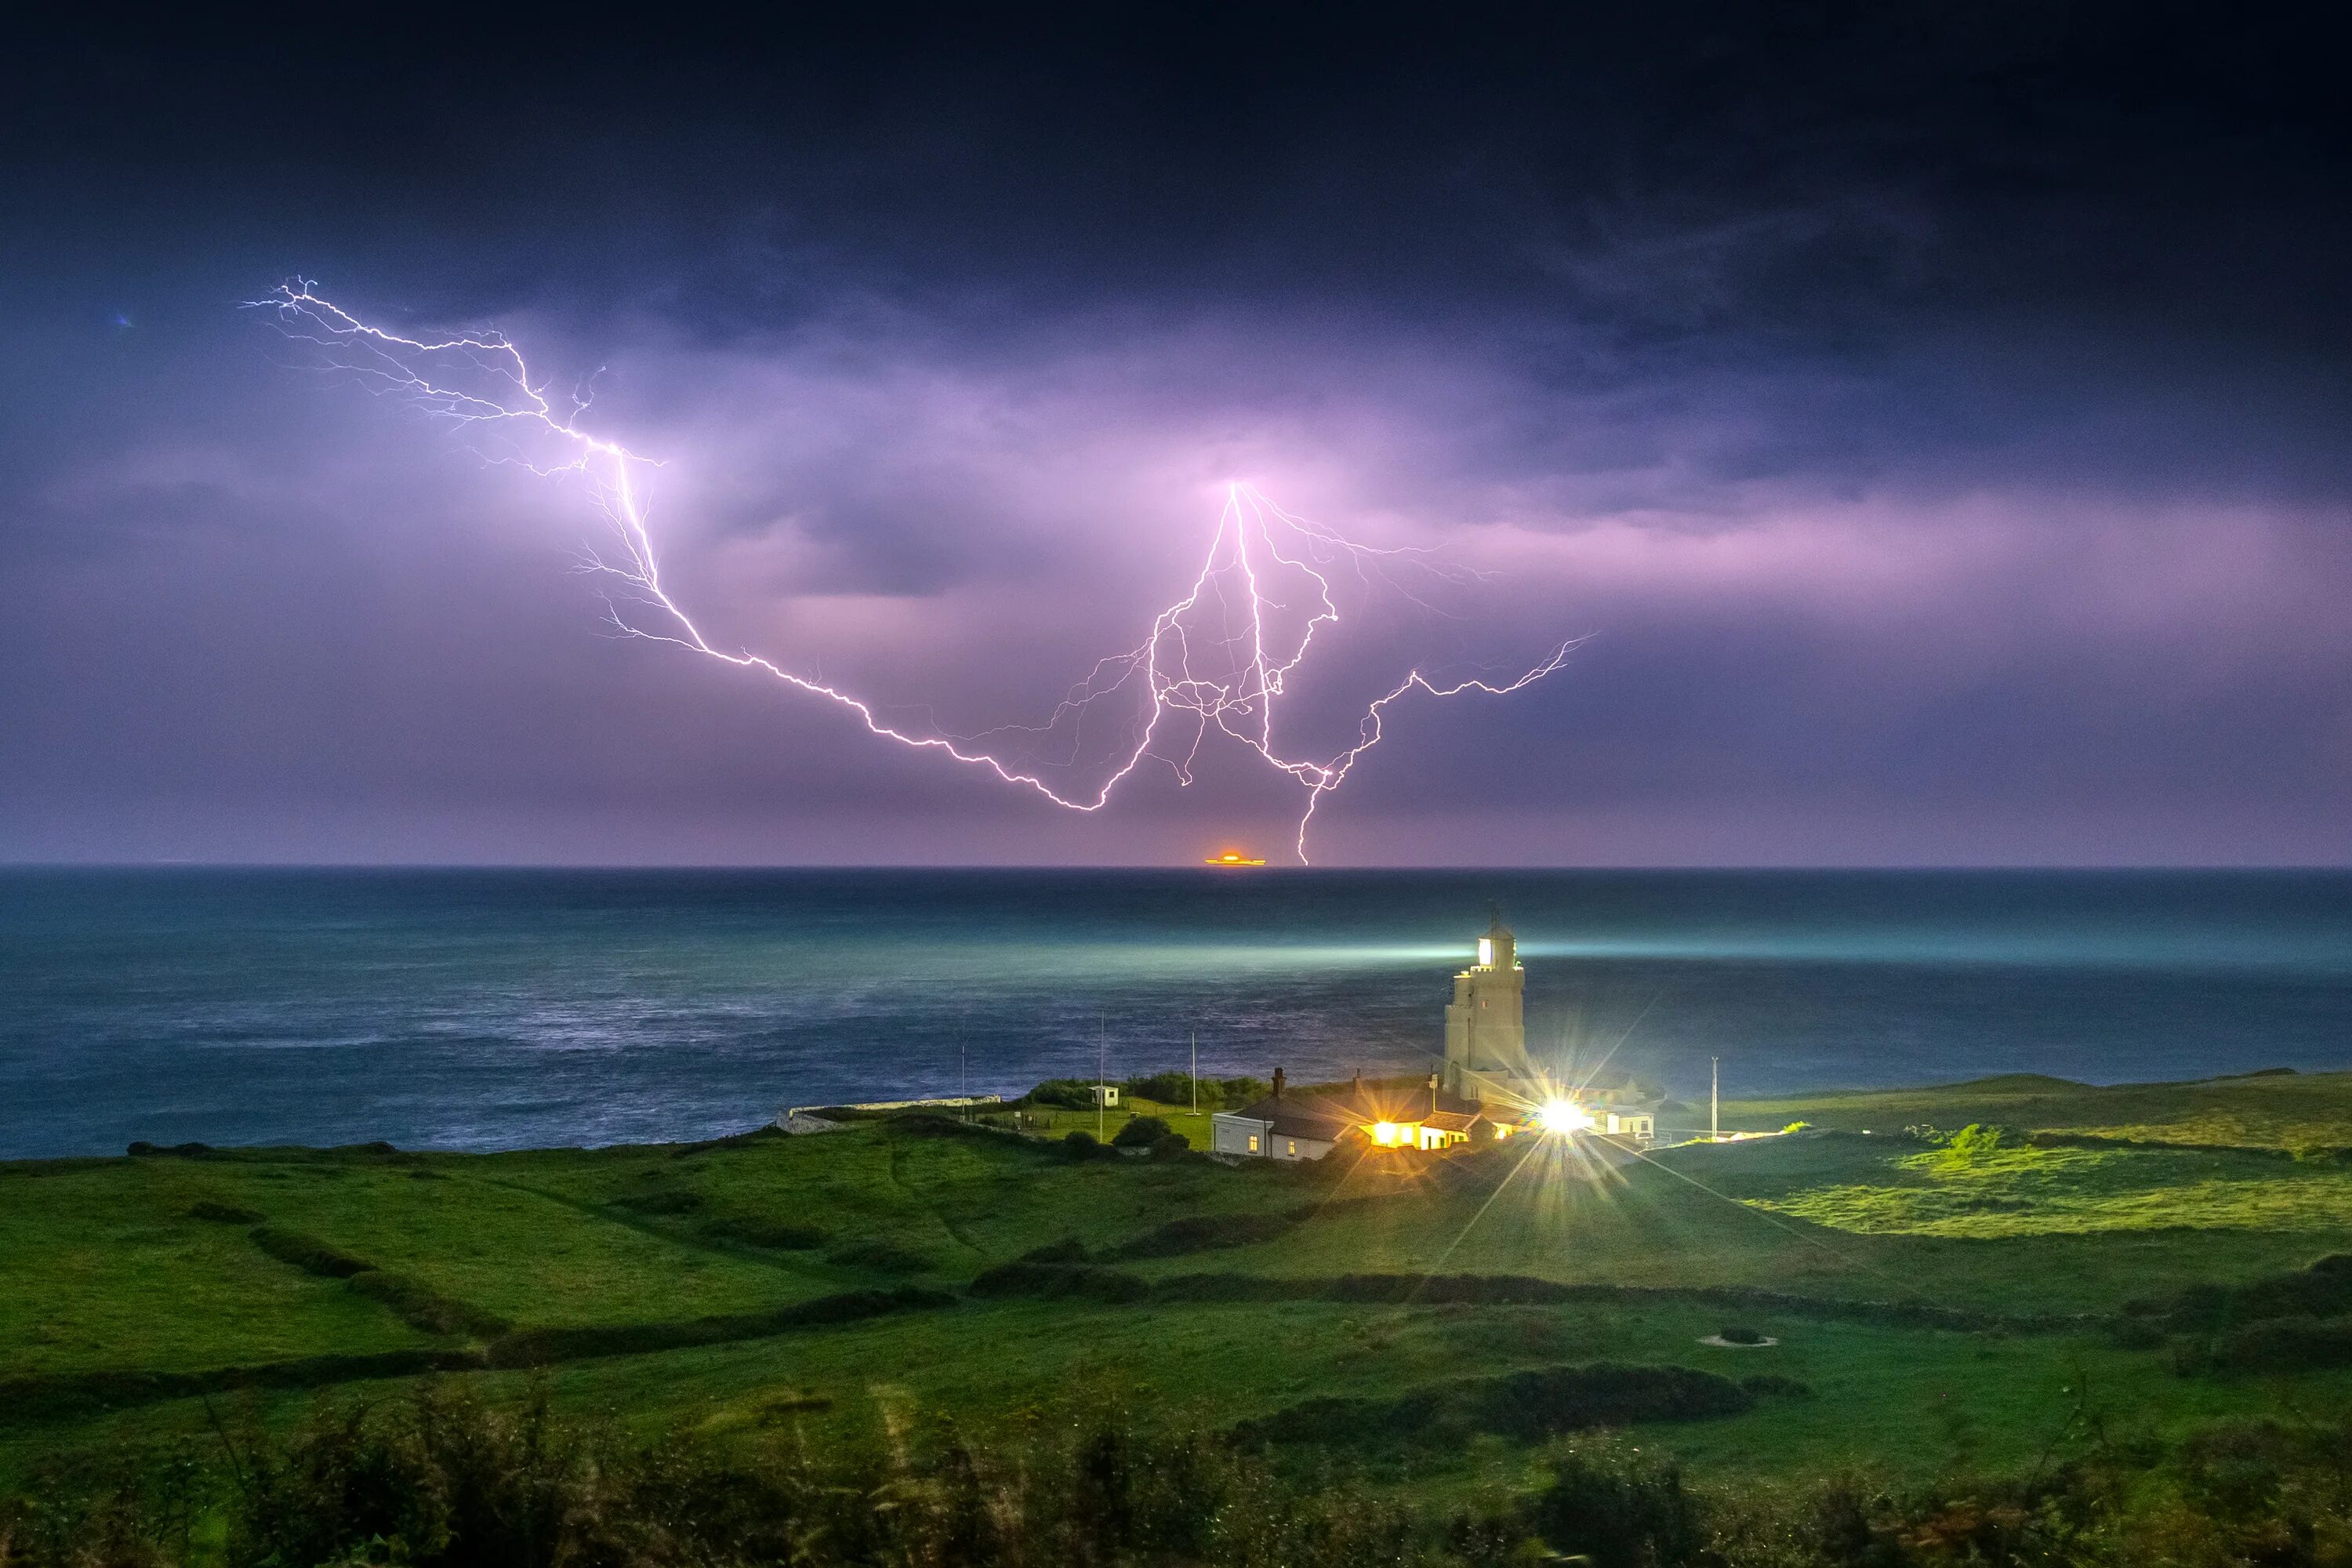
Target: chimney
1277, 1083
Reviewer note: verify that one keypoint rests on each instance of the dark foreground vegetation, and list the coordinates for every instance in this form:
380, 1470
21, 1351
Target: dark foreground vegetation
439, 1478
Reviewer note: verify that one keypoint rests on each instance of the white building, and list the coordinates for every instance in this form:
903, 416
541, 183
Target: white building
1275, 1128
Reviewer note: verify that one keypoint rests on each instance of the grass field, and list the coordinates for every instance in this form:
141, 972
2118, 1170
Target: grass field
1941, 1307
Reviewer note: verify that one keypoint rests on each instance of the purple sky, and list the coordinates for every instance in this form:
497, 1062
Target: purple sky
1940, 432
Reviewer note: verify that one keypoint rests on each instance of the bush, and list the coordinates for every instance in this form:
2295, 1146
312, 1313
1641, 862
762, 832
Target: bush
1525, 1407
881, 1257
1068, 1093
2287, 1344
1141, 1133
2324, 1289
1172, 1089
1055, 1281
1069, 1249
1083, 1145
1617, 1507
1772, 1386
422, 1307
441, 1480
1204, 1233
672, 1200
778, 1236
1971, 1143
1175, 1146
1239, 1091
308, 1253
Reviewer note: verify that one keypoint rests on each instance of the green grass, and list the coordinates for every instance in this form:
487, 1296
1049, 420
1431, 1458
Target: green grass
109, 1272
2268, 1111
104, 1268
2026, 1191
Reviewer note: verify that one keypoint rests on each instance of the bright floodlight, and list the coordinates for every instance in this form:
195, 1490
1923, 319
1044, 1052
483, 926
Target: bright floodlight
1562, 1116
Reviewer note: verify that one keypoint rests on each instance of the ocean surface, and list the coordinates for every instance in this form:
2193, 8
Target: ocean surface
493, 1009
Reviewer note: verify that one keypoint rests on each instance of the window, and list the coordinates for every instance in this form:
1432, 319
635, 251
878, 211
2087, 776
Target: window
1253, 1143
1294, 1148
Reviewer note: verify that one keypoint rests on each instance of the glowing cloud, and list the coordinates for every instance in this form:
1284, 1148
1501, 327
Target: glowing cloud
1221, 657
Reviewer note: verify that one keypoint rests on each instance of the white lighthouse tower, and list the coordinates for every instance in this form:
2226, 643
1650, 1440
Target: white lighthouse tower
1486, 1024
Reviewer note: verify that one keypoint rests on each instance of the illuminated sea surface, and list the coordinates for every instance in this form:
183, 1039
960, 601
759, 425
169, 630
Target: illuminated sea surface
494, 1009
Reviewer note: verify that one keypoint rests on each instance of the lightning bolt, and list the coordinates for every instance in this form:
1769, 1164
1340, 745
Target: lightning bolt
1220, 658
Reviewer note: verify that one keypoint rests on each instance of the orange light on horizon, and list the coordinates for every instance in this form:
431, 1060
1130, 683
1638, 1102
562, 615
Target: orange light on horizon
1232, 857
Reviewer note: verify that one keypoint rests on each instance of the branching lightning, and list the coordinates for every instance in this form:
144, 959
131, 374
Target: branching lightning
1220, 658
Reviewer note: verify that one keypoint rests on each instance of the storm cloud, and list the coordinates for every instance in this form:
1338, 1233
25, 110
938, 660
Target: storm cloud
1937, 428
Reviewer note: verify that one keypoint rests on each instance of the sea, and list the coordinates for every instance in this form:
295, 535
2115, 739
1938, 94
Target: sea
492, 1009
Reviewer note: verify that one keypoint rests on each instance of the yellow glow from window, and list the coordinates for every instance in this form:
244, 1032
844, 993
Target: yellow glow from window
1384, 1132
1486, 952
1562, 1116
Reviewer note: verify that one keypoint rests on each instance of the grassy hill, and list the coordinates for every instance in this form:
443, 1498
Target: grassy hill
1933, 1305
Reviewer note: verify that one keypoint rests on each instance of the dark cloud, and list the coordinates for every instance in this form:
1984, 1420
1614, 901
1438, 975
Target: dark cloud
1938, 418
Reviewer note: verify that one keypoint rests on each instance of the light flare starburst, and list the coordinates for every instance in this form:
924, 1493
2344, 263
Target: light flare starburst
1221, 657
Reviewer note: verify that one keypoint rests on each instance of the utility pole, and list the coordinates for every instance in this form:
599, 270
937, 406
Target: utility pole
1715, 1099
1195, 1074
1102, 1068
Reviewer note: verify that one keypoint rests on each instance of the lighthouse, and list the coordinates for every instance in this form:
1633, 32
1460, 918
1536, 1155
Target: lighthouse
1486, 1024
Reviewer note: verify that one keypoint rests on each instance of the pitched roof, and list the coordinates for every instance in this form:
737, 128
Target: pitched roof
1301, 1116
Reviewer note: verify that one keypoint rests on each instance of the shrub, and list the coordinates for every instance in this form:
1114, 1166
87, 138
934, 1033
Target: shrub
1240, 1090
1773, 1386
1068, 1093
881, 1257
1055, 1281
1175, 1146
2324, 1289
1533, 1405
1069, 1249
1173, 1089
671, 1200
1140, 1133
2287, 1344
1083, 1145
308, 1253
1617, 1507
1525, 1407
1204, 1233
1971, 1143
778, 1236
422, 1307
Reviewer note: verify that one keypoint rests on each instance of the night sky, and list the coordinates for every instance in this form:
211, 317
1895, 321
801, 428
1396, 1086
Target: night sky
1937, 420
